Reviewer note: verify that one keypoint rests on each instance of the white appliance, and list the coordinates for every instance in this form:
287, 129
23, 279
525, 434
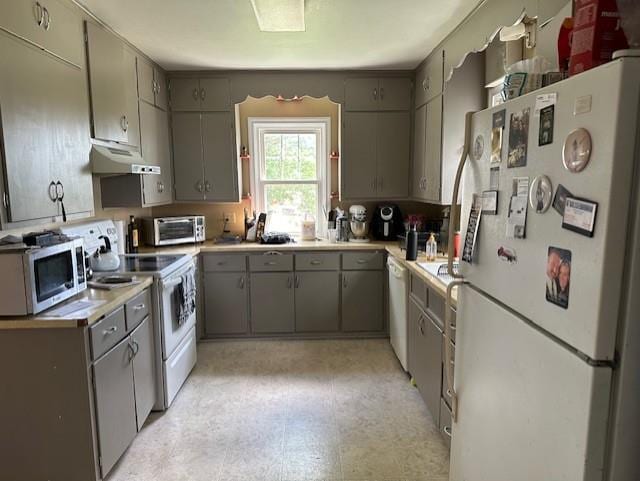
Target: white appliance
543, 392
37, 278
164, 231
358, 223
175, 343
398, 297
109, 159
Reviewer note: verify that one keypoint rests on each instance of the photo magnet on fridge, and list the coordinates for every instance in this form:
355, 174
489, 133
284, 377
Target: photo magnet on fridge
560, 198
494, 178
496, 145
545, 135
558, 276
580, 216
499, 118
490, 202
472, 230
518, 138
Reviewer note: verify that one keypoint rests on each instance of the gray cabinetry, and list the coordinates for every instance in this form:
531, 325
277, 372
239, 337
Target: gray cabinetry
143, 370
371, 94
427, 143
361, 94
393, 144
115, 404
317, 301
429, 78
156, 150
359, 155
45, 133
362, 301
187, 156
200, 94
108, 77
152, 85
272, 302
225, 301
131, 98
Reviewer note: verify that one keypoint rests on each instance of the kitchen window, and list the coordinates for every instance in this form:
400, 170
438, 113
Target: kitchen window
289, 178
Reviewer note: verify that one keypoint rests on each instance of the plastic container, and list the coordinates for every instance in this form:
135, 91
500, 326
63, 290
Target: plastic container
432, 249
308, 228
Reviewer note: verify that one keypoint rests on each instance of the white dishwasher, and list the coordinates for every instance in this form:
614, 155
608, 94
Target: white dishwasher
398, 317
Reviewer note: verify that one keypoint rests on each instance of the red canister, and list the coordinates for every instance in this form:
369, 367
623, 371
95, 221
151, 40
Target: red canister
456, 244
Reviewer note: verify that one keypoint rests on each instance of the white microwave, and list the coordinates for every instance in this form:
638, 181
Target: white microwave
165, 231
35, 279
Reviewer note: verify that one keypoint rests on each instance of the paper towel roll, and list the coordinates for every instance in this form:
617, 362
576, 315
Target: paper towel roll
122, 239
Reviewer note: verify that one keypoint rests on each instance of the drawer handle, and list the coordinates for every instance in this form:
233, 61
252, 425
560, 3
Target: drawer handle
139, 307
362, 261
270, 263
221, 263
447, 430
134, 347
297, 281
272, 253
316, 263
109, 331
344, 281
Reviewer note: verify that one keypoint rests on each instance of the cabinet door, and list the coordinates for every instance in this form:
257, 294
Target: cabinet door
144, 374
185, 94
225, 303
433, 150
361, 94
108, 76
162, 100
362, 307
395, 93
131, 93
272, 302
157, 189
359, 159
417, 159
146, 90
115, 404
429, 78
187, 156
220, 160
44, 121
317, 301
393, 138
215, 94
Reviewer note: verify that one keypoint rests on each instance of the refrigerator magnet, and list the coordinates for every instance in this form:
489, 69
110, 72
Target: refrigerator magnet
517, 219
490, 202
545, 134
478, 147
494, 178
558, 276
541, 194
560, 198
507, 254
518, 138
472, 231
496, 145
576, 151
499, 118
580, 216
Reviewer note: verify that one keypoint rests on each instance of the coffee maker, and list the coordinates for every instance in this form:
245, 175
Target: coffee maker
387, 222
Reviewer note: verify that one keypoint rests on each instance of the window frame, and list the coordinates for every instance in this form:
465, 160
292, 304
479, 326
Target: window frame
258, 126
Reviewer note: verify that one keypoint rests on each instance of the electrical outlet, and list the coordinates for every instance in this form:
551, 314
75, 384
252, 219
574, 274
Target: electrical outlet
230, 217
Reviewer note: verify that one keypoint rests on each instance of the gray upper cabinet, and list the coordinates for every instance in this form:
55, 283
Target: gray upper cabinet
374, 94
187, 156
45, 133
205, 162
108, 77
152, 84
433, 152
156, 150
418, 157
376, 155
317, 301
131, 92
429, 78
225, 302
115, 404
395, 93
272, 302
144, 377
51, 24
361, 94
200, 95
362, 305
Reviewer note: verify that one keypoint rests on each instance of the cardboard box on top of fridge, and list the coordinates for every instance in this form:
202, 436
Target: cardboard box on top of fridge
597, 33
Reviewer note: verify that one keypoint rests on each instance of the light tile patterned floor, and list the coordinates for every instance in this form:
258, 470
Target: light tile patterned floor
291, 411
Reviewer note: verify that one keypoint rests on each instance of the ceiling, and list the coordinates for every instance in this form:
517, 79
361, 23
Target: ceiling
340, 34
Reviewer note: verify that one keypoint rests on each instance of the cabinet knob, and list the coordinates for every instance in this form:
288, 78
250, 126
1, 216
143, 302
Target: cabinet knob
199, 187
425, 84
203, 94
207, 186
124, 123
195, 94
375, 94
160, 187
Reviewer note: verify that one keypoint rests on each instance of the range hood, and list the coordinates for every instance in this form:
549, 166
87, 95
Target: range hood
118, 160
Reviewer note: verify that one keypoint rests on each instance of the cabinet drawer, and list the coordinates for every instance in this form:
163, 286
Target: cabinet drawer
47, 23
271, 262
436, 306
418, 291
445, 423
361, 261
320, 261
224, 263
137, 309
107, 332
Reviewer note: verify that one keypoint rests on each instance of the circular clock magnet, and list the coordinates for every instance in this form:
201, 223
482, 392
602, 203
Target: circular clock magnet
540, 194
576, 152
478, 147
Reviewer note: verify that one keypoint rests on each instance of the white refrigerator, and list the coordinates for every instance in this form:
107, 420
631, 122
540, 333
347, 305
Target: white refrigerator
547, 359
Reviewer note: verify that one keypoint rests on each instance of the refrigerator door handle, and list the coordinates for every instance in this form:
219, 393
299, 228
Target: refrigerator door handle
448, 351
456, 188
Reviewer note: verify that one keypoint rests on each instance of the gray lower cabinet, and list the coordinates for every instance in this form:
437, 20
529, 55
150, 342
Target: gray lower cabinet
317, 301
362, 301
115, 404
272, 302
143, 370
225, 300
425, 338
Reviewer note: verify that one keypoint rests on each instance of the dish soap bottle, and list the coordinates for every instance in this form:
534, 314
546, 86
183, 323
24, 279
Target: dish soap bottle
432, 248
412, 244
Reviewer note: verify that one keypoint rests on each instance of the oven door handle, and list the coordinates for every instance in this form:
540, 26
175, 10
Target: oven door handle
172, 283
